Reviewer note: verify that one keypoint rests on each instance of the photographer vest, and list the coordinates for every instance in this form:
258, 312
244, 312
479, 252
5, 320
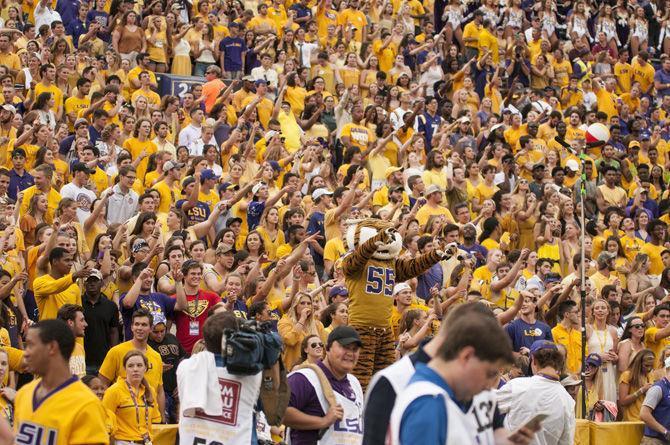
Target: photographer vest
235, 425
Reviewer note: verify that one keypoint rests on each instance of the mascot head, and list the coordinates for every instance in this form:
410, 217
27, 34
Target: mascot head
362, 230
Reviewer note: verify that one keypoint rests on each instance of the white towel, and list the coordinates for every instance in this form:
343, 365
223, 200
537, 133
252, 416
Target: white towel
198, 384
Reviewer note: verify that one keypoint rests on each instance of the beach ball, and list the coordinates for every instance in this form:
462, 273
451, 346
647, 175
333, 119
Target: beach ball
597, 133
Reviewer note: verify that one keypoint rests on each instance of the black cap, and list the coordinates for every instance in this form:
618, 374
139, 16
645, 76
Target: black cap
344, 335
81, 167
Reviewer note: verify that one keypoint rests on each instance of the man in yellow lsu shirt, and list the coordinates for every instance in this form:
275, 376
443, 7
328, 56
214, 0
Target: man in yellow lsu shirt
56, 408
59, 286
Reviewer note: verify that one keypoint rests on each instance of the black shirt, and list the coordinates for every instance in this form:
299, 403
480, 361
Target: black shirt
102, 317
171, 353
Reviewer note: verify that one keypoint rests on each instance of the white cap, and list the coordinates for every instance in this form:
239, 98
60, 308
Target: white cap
667, 363
572, 165
270, 134
316, 194
400, 287
257, 187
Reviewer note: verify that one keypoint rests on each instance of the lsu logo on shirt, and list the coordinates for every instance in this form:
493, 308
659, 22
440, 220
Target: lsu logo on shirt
537, 332
34, 434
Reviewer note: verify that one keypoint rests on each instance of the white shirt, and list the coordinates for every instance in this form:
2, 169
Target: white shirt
197, 147
523, 398
167, 146
83, 196
397, 116
189, 134
44, 16
269, 75
121, 207
307, 49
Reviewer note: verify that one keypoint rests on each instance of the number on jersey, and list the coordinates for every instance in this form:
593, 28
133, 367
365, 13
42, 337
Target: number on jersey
380, 281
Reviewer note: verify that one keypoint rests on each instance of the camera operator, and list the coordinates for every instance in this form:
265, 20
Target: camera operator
215, 404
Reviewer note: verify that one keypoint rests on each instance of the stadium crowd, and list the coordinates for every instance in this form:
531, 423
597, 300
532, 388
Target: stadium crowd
133, 216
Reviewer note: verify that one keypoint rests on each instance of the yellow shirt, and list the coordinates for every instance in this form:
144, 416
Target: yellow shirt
571, 339
490, 42
135, 147
656, 346
437, 178
70, 415
333, 249
644, 75
631, 413
54, 90
359, 135
264, 109
471, 31
112, 367
355, 18
118, 400
211, 198
52, 202
607, 102
654, 252
270, 245
75, 105
481, 278
152, 98
427, 211
168, 194
623, 72
51, 294
631, 246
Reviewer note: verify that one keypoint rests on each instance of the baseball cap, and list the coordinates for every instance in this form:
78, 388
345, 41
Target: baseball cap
159, 318
80, 121
570, 380
552, 277
169, 165
270, 134
572, 165
496, 126
667, 363
232, 221
464, 119
432, 189
595, 360
95, 273
604, 257
338, 290
539, 345
139, 244
228, 185
10, 108
344, 335
257, 188
207, 174
400, 287
390, 170
538, 165
260, 82
316, 194
81, 167
632, 144
224, 248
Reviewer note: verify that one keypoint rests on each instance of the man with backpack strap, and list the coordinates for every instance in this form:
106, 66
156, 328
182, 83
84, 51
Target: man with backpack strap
312, 414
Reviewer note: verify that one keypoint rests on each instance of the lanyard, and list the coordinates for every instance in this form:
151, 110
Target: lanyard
548, 376
194, 314
137, 407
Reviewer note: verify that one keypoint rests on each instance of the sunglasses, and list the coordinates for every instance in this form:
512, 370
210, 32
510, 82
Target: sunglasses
316, 345
635, 326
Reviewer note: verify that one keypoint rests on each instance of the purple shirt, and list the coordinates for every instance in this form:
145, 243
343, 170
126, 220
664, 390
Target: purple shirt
304, 399
663, 77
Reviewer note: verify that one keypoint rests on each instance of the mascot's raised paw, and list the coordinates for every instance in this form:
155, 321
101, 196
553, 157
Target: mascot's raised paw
447, 251
389, 235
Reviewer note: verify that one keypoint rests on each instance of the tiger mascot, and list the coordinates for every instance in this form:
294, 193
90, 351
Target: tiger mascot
371, 269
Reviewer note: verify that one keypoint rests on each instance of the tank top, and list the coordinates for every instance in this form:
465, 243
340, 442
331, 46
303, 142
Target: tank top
130, 41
